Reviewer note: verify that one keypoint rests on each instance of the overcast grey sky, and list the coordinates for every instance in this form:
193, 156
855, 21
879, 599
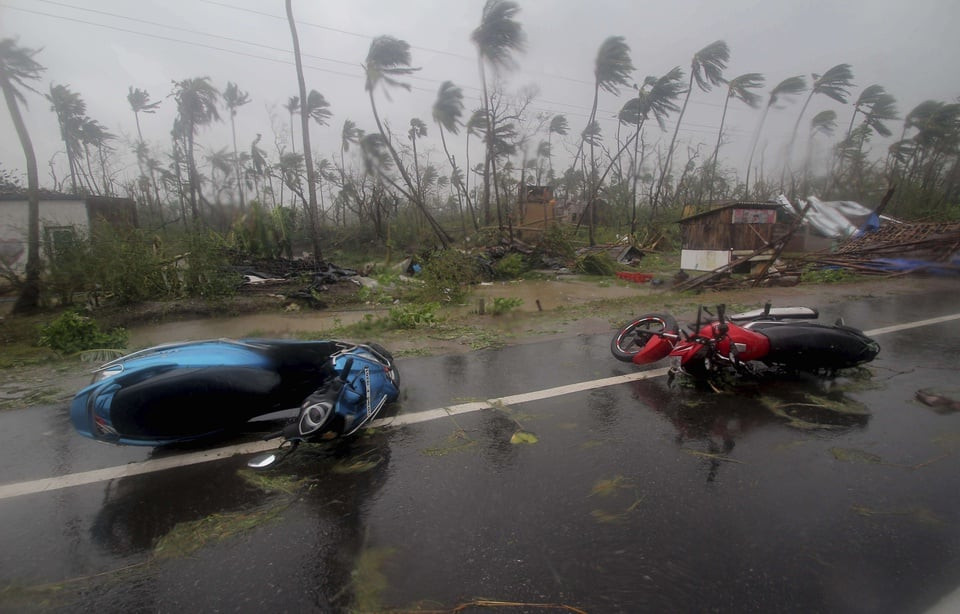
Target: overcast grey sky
101, 47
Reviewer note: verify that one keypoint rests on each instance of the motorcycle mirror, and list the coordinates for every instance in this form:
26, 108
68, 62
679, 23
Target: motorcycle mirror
262, 461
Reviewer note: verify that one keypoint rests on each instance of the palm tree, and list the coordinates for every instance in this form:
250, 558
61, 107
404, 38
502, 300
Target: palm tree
233, 99
447, 110
790, 86
387, 60
657, 96
317, 111
196, 100
558, 125
612, 69
876, 106
738, 88
834, 84
94, 133
259, 165
706, 68
476, 126
349, 134
220, 162
497, 37
70, 110
17, 67
139, 101
938, 132
417, 130
824, 122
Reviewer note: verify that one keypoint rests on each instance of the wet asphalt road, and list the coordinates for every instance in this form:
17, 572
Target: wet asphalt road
635, 497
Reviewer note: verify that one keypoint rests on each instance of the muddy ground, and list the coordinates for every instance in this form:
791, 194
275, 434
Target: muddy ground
562, 307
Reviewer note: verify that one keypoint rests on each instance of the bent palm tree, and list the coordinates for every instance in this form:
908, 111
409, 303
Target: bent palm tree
497, 37
824, 122
876, 106
447, 110
612, 69
318, 108
657, 95
234, 98
196, 107
93, 133
833, 84
387, 60
738, 88
349, 134
706, 68
17, 67
790, 86
70, 110
139, 101
558, 125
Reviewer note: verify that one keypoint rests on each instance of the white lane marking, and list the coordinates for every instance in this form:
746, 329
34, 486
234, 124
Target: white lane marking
909, 325
17, 489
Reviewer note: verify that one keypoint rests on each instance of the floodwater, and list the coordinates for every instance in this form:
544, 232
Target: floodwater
535, 295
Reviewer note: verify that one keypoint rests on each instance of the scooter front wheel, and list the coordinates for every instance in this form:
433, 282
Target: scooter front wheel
640, 341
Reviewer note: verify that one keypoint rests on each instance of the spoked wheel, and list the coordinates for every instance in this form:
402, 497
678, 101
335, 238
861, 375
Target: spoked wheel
640, 342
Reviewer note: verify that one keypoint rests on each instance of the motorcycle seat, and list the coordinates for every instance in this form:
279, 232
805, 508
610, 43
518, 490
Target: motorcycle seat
777, 313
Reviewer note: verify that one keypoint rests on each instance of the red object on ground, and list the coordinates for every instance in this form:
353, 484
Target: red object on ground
636, 277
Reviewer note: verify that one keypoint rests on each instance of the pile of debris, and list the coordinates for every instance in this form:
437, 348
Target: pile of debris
896, 249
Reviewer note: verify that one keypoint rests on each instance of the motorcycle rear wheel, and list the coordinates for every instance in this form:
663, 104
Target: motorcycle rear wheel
633, 338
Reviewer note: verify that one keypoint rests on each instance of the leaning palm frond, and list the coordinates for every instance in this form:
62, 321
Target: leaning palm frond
559, 125
317, 108
499, 34
708, 64
739, 88
791, 86
388, 59
884, 108
376, 155
417, 130
448, 107
100, 355
349, 134
613, 65
834, 83
824, 122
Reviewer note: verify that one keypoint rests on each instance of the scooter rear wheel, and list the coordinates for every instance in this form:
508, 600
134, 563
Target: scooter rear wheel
634, 337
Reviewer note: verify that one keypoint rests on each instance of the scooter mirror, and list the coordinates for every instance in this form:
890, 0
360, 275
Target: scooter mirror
262, 461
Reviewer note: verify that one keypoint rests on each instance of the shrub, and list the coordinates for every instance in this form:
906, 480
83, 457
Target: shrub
556, 242
207, 274
502, 305
511, 266
71, 333
414, 315
446, 274
596, 263
825, 276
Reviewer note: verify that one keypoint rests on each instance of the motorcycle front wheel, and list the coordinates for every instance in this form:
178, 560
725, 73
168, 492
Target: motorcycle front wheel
640, 342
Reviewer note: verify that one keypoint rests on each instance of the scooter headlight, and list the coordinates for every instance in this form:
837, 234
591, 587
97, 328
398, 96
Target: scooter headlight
315, 416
